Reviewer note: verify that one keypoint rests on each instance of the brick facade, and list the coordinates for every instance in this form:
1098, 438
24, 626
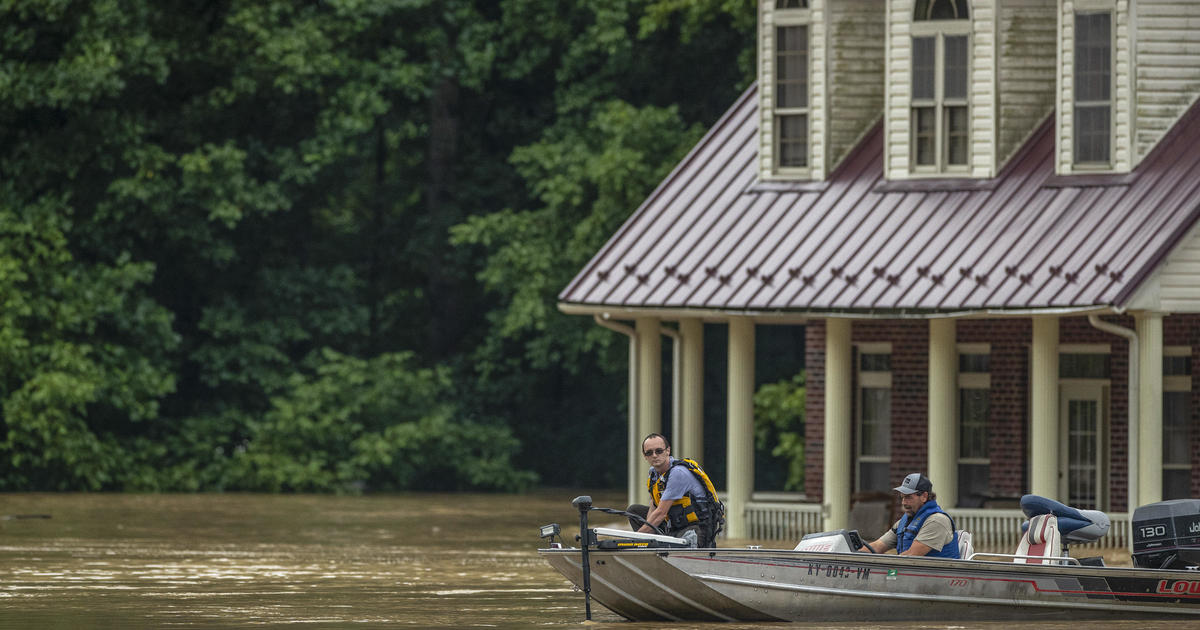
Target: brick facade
1008, 427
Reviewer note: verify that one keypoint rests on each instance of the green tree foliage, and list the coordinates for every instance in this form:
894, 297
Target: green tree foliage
226, 251
779, 410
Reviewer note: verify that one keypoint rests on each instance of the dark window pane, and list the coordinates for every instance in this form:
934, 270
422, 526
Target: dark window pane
1092, 133
1177, 442
974, 363
875, 362
974, 408
1093, 57
956, 135
791, 4
1177, 366
941, 10
973, 485
955, 74
1177, 484
793, 140
923, 120
1083, 366
876, 438
873, 476
791, 66
924, 68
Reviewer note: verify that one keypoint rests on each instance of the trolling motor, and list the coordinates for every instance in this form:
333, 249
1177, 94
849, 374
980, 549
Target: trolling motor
583, 504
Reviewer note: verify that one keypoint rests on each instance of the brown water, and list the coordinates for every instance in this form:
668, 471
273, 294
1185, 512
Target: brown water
232, 560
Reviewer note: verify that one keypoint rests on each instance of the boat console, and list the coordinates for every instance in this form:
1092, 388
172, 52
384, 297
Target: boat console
1166, 535
838, 540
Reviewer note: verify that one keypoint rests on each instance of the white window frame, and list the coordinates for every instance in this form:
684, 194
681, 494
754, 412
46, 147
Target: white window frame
1094, 8
785, 18
939, 30
869, 380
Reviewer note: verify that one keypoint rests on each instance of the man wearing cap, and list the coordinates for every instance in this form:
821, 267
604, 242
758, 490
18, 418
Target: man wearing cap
924, 530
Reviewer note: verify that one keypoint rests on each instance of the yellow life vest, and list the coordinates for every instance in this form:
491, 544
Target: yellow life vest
688, 509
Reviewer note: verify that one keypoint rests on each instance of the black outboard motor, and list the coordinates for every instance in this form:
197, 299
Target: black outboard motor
1166, 535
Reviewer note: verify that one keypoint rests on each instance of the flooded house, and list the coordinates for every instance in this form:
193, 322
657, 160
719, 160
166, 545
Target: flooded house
984, 214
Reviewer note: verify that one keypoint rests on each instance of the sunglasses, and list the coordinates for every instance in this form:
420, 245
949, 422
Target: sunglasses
654, 451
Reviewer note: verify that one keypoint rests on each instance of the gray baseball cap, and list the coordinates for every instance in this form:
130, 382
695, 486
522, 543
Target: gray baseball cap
915, 482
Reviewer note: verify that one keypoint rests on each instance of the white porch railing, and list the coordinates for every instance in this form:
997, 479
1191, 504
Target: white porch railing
991, 529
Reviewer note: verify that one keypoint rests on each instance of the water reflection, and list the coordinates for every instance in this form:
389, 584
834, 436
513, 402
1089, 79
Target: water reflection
408, 561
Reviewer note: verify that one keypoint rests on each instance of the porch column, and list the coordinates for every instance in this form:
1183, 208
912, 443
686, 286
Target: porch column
1150, 399
649, 382
943, 429
838, 464
740, 458
691, 432
1043, 384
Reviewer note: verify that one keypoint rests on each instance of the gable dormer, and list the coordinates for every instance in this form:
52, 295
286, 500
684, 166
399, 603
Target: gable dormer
968, 82
1128, 72
816, 57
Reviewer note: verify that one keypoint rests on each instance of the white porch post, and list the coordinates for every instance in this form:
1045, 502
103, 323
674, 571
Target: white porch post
1043, 437
740, 459
943, 429
649, 396
1150, 399
690, 440
838, 421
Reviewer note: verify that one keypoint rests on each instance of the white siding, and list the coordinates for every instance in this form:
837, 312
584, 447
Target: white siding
1028, 32
1168, 67
856, 62
1122, 88
982, 100
1175, 287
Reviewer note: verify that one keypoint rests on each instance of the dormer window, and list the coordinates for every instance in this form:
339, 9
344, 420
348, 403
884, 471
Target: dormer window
1093, 89
791, 85
940, 95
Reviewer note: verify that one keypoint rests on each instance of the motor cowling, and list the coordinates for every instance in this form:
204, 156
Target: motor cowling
1166, 535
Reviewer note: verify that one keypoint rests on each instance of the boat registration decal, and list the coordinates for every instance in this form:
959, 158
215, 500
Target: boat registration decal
1179, 587
838, 571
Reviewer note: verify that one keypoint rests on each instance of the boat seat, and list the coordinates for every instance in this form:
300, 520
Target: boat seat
1075, 525
1042, 540
965, 546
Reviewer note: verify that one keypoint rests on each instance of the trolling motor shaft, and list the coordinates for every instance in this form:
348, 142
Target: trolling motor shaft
583, 504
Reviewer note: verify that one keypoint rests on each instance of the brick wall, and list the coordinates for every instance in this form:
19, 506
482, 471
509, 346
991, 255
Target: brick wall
1010, 341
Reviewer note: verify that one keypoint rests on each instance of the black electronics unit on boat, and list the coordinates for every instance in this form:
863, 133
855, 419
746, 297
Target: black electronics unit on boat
1166, 535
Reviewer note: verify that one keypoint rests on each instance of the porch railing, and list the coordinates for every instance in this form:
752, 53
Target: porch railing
991, 529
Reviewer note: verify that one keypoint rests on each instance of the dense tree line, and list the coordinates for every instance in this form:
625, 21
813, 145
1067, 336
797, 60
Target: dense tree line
314, 245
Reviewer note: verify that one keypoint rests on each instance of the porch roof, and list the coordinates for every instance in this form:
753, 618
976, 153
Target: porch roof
714, 237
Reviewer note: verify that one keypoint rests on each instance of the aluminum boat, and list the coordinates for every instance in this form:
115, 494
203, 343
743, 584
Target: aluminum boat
645, 577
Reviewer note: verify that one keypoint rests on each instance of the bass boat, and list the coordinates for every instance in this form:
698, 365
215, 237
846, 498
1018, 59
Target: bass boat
650, 577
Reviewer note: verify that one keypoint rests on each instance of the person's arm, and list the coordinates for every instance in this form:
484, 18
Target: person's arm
917, 548
657, 515
876, 546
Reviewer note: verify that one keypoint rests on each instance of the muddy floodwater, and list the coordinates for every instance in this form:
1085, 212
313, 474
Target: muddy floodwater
243, 560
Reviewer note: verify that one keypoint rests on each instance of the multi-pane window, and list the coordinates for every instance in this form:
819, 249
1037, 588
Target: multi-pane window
1176, 417
1093, 88
974, 408
874, 418
940, 70
791, 96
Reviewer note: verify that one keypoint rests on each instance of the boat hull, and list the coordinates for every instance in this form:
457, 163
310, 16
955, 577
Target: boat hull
753, 585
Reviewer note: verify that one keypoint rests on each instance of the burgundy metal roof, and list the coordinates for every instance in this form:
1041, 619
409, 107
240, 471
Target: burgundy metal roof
713, 237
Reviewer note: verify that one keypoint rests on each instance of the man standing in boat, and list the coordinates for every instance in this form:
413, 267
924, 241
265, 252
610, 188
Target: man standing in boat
685, 502
925, 529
